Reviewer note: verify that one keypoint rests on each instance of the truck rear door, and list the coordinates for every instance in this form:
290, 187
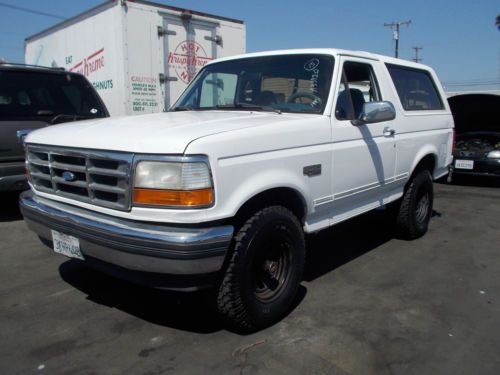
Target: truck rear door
188, 46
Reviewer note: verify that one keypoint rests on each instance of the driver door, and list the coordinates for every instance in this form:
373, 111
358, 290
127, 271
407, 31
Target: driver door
364, 155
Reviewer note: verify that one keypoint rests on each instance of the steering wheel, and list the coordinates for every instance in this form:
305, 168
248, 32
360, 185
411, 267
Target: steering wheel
315, 100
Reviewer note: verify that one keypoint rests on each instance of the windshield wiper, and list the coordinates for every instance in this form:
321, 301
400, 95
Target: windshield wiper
74, 117
251, 106
182, 108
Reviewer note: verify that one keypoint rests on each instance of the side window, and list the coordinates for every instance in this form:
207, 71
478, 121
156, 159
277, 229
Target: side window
416, 89
358, 86
218, 89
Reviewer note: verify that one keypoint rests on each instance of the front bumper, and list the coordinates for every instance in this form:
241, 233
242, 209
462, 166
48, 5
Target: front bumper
134, 250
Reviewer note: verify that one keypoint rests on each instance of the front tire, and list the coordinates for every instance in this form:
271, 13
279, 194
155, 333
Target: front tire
264, 270
415, 208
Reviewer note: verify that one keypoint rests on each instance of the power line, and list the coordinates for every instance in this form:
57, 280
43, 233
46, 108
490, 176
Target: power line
497, 83
473, 80
417, 59
395, 26
34, 11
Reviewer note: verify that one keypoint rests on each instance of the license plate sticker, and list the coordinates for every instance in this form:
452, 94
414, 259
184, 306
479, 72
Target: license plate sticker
66, 245
464, 164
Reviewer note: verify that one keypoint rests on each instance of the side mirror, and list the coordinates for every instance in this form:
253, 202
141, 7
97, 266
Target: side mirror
373, 112
21, 135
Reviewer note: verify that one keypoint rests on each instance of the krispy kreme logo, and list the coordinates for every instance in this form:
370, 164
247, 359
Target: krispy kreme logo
90, 64
187, 59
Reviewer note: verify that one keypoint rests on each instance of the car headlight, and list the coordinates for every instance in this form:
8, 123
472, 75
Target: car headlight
495, 154
175, 184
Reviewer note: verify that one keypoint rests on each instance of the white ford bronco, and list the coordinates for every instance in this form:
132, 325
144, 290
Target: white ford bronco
258, 150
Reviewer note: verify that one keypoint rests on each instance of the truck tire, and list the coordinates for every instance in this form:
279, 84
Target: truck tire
414, 210
263, 271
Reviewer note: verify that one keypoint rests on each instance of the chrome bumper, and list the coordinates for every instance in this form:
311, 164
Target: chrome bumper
132, 245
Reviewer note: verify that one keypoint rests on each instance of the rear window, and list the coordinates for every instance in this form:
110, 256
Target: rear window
35, 95
416, 89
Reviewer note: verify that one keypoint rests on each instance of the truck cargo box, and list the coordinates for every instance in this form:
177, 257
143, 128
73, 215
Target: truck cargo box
138, 55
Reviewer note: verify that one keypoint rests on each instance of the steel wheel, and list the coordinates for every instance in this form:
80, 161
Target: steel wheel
264, 271
271, 270
422, 208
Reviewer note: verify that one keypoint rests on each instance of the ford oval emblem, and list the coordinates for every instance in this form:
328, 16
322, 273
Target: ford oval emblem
68, 176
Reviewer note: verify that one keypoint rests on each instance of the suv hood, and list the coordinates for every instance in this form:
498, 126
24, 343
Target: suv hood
159, 133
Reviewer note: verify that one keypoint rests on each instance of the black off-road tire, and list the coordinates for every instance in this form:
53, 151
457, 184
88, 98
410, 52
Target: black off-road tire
413, 212
268, 251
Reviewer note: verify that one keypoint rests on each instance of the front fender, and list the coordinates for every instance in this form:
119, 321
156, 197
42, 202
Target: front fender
232, 199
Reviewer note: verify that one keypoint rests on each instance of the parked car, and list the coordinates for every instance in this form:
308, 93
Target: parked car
259, 150
477, 125
33, 97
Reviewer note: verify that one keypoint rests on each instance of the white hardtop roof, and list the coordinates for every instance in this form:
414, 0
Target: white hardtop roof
327, 51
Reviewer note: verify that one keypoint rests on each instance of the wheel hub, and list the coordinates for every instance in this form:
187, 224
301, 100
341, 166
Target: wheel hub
271, 267
271, 271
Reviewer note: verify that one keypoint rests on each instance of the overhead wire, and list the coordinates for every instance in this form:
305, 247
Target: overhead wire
28, 10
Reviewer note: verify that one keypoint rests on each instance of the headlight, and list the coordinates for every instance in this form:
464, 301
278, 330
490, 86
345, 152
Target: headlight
176, 184
495, 154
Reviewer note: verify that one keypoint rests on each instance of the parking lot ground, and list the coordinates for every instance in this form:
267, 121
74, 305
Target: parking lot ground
369, 304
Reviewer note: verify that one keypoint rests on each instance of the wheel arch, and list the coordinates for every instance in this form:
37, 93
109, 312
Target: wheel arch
287, 197
427, 159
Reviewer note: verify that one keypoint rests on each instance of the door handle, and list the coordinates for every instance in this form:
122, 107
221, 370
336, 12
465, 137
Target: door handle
388, 132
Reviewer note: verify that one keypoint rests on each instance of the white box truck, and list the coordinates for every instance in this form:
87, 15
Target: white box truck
138, 55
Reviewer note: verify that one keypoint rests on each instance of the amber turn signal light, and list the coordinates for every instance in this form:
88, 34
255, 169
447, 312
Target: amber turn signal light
178, 198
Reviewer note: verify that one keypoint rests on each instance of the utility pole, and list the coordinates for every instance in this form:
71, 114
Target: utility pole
395, 26
417, 59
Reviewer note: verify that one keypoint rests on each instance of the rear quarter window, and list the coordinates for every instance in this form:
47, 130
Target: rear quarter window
416, 88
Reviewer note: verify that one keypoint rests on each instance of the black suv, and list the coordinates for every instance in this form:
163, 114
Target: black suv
33, 97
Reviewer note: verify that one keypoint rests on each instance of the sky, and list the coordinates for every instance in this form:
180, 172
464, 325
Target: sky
459, 38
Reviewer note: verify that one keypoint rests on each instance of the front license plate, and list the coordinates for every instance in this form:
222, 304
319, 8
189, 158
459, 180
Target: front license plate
464, 164
66, 245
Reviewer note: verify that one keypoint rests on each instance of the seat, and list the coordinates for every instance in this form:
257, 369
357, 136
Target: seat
416, 100
265, 98
342, 108
358, 99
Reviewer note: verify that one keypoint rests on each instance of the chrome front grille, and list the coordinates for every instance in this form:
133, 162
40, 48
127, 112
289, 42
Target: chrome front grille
91, 176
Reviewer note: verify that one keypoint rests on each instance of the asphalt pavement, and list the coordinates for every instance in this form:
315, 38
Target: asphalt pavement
369, 304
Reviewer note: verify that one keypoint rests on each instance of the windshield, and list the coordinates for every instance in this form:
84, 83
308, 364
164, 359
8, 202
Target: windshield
38, 95
288, 83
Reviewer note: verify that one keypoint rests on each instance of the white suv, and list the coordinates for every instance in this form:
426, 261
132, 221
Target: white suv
257, 151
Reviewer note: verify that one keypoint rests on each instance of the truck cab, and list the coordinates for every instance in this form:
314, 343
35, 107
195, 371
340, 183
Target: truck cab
260, 150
